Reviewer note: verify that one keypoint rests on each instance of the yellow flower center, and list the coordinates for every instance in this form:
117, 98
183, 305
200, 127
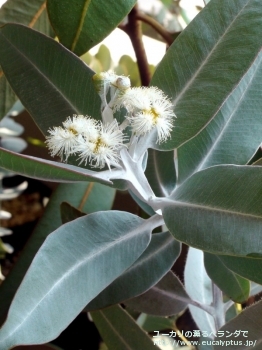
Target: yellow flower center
98, 143
72, 130
153, 113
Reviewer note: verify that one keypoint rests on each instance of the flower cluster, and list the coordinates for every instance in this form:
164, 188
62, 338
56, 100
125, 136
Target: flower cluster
94, 142
99, 142
149, 109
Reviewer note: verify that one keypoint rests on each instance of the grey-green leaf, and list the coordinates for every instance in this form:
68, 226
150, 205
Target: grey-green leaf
234, 135
168, 297
152, 265
161, 172
32, 14
51, 82
207, 61
82, 24
87, 196
246, 267
218, 210
43, 169
74, 264
120, 331
248, 321
198, 285
234, 286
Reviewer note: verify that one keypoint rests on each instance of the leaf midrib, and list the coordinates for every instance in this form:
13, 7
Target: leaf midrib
70, 271
205, 159
81, 24
44, 77
193, 77
210, 208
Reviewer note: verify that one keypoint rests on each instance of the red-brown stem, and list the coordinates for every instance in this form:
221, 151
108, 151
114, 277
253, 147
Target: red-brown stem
157, 26
134, 31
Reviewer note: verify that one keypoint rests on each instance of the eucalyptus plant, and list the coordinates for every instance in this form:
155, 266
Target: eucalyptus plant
186, 147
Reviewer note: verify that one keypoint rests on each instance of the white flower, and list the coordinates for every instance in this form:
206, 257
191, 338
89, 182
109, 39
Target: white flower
101, 148
61, 142
132, 99
80, 124
149, 108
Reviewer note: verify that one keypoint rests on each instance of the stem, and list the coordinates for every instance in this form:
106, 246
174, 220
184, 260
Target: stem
157, 26
134, 30
219, 314
133, 173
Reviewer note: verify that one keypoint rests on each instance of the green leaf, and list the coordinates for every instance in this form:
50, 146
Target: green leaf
51, 82
128, 66
231, 137
207, 61
120, 331
77, 194
7, 96
43, 169
147, 209
152, 265
69, 213
104, 57
82, 24
76, 262
150, 323
161, 172
234, 286
199, 288
168, 297
245, 267
217, 210
248, 321
31, 13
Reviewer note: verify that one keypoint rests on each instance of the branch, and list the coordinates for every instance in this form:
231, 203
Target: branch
134, 31
157, 26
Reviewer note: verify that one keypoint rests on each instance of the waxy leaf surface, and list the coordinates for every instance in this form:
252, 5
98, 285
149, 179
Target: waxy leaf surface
87, 196
152, 265
234, 135
32, 14
81, 24
218, 210
207, 61
120, 331
74, 264
51, 82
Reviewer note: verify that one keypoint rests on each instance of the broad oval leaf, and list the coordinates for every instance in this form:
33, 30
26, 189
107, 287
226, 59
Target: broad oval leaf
32, 14
151, 266
248, 321
168, 297
43, 169
207, 61
51, 82
234, 286
234, 135
113, 323
199, 287
218, 210
80, 259
81, 24
161, 172
89, 197
246, 267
